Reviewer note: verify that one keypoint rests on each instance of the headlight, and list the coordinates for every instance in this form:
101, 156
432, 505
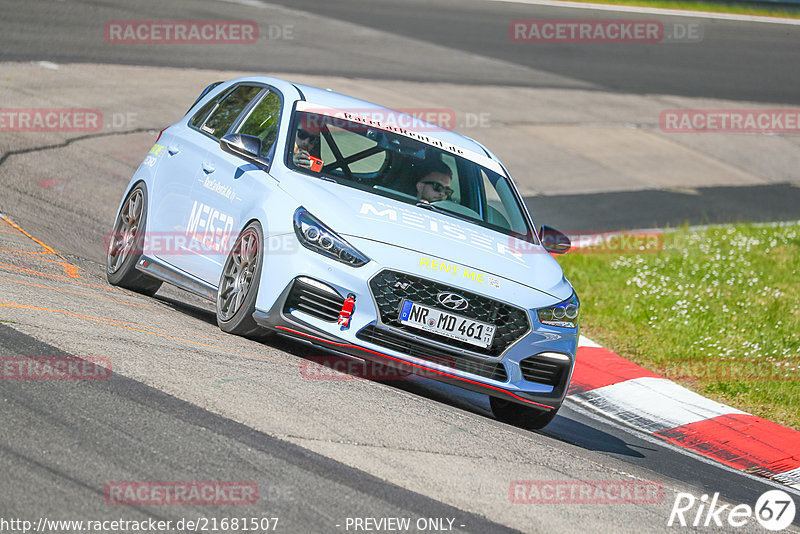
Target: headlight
317, 237
564, 314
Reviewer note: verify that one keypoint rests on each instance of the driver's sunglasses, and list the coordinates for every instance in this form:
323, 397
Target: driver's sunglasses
303, 135
439, 187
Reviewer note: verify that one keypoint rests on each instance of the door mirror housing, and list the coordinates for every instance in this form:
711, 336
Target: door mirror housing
247, 147
554, 241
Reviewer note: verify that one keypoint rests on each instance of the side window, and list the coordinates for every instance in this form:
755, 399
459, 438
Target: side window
204, 93
200, 117
498, 196
450, 161
223, 116
263, 122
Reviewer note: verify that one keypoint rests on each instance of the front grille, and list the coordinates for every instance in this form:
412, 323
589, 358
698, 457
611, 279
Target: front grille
541, 370
390, 288
314, 301
423, 351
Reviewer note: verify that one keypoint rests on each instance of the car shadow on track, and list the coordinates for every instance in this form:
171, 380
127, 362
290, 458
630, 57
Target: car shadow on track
565, 427
205, 315
574, 432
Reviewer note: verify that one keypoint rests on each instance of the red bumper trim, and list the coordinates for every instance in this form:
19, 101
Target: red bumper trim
427, 369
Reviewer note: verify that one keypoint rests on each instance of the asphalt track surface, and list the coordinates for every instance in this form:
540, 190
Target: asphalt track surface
660, 209
188, 403
735, 60
185, 402
157, 422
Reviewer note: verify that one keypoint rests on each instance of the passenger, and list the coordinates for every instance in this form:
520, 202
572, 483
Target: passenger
306, 146
434, 184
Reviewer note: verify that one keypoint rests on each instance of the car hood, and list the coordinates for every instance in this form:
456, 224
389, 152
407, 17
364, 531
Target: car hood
352, 212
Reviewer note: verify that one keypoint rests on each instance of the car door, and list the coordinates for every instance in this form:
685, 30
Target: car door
189, 223
180, 149
235, 185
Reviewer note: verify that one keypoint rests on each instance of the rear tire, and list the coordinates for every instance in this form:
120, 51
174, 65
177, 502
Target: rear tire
126, 244
238, 284
519, 415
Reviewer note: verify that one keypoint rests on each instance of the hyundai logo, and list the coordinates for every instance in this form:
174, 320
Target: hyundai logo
452, 301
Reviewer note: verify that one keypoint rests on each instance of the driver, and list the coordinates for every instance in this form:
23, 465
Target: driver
434, 184
306, 143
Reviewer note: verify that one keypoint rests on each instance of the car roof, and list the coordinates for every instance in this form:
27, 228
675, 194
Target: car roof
329, 98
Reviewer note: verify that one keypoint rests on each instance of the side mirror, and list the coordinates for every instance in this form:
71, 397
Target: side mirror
554, 241
247, 147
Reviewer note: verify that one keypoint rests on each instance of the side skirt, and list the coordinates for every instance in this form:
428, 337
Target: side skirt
171, 275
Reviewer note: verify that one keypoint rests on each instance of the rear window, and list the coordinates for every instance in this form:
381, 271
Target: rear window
200, 117
204, 93
222, 115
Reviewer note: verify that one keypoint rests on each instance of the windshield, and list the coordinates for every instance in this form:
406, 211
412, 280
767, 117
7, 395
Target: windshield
404, 169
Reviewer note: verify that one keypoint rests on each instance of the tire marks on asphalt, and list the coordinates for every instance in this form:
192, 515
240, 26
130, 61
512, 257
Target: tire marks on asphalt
145, 329
70, 269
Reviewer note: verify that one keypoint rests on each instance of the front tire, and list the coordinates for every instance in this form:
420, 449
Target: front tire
238, 284
126, 244
518, 415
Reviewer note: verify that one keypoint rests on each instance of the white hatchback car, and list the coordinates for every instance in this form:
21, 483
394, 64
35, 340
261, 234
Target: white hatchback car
314, 215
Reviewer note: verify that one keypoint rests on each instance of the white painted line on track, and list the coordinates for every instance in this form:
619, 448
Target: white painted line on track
653, 404
584, 341
656, 11
248, 3
608, 7
624, 426
789, 477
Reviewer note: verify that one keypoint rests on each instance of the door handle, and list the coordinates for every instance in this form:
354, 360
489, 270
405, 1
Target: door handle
173, 149
208, 168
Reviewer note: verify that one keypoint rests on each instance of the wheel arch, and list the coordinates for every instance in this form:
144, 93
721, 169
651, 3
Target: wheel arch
136, 180
275, 216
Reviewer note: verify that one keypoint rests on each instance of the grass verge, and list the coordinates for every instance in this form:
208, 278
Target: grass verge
759, 10
717, 310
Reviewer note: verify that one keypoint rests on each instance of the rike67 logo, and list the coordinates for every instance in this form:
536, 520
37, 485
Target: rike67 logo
774, 510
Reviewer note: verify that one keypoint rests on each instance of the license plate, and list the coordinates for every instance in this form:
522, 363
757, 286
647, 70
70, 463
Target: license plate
446, 324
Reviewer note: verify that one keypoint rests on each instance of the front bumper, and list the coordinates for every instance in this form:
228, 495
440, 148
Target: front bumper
510, 374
